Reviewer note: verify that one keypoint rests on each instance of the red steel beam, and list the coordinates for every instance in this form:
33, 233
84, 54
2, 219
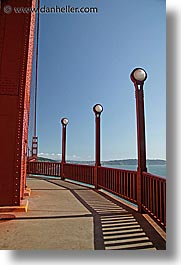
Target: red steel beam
16, 52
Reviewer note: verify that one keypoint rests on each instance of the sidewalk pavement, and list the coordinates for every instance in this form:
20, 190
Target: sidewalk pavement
63, 215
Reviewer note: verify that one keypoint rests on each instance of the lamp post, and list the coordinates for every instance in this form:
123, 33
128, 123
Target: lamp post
138, 76
64, 123
97, 110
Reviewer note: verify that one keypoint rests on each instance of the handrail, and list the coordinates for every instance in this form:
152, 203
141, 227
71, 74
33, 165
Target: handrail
120, 182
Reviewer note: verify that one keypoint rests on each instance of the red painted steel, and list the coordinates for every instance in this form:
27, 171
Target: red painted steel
81, 173
141, 143
97, 143
63, 142
44, 168
16, 52
117, 181
154, 197
97, 133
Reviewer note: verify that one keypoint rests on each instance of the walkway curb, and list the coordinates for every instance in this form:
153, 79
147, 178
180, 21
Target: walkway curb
22, 208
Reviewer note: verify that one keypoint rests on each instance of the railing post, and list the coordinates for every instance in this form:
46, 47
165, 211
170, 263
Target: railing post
138, 76
96, 177
62, 171
139, 190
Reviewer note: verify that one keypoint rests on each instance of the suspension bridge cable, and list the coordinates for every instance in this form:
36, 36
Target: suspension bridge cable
36, 68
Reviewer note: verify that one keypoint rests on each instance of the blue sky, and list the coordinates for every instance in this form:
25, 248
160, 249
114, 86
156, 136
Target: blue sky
86, 59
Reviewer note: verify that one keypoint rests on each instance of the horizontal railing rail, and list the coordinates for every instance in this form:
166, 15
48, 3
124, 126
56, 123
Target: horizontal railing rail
117, 181
154, 197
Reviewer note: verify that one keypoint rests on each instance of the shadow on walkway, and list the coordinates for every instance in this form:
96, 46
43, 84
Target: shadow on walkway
116, 226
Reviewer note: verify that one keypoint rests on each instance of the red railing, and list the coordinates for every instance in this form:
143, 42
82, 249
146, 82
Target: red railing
154, 197
117, 181
44, 168
80, 173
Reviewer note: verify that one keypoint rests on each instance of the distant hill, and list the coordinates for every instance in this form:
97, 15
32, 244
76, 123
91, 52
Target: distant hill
43, 159
110, 162
134, 162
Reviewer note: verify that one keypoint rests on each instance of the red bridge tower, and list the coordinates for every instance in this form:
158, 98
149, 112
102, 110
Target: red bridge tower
16, 52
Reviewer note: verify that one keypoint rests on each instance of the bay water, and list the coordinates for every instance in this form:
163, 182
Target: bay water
159, 170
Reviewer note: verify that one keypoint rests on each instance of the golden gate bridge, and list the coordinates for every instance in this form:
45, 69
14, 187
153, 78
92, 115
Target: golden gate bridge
146, 191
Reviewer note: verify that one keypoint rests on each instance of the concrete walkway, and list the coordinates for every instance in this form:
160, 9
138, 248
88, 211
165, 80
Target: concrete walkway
63, 215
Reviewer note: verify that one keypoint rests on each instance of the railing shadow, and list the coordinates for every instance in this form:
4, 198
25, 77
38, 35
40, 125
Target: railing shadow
116, 226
